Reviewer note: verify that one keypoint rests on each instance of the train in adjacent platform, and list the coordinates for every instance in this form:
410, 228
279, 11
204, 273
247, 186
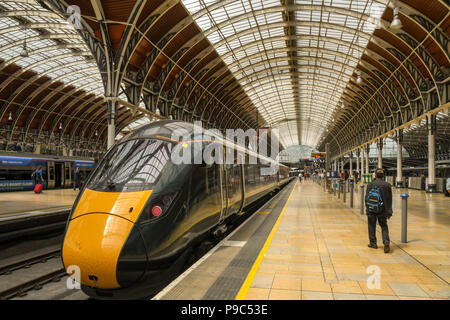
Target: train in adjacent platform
140, 217
16, 171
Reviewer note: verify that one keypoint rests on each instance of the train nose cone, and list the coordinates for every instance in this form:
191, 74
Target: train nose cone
93, 243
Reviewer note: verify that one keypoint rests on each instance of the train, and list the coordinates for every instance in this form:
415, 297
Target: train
140, 217
16, 171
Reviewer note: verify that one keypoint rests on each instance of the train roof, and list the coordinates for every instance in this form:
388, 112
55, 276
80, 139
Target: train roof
165, 129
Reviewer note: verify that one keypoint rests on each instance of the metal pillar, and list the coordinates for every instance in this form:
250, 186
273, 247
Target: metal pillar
112, 117
357, 165
344, 190
431, 126
351, 193
398, 180
367, 159
362, 200
404, 217
380, 152
339, 189
351, 163
327, 163
363, 168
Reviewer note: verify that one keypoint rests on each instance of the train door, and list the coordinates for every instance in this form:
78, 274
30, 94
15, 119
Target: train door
50, 175
59, 175
67, 174
242, 182
224, 192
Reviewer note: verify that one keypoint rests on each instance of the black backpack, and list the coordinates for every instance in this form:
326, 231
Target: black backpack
375, 202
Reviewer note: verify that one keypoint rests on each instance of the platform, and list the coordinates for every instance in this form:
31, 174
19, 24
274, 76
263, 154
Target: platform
309, 245
24, 203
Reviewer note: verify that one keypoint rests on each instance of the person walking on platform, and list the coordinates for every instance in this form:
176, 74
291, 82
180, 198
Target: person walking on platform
38, 179
37, 176
378, 202
300, 177
77, 179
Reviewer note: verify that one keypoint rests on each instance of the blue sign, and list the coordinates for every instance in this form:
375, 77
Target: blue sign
16, 161
16, 185
83, 164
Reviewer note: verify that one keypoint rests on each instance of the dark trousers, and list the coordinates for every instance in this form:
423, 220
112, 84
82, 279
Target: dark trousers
372, 223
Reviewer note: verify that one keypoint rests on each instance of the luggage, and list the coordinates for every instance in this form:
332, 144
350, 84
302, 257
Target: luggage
38, 188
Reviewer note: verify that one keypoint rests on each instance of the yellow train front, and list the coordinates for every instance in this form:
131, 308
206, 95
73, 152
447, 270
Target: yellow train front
140, 216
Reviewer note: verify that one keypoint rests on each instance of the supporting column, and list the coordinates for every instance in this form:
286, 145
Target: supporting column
362, 163
398, 179
351, 163
431, 126
112, 117
357, 163
327, 158
367, 159
380, 152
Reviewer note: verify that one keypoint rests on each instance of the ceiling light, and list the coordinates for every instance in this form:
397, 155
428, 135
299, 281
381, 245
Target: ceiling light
359, 79
60, 126
24, 52
10, 116
396, 23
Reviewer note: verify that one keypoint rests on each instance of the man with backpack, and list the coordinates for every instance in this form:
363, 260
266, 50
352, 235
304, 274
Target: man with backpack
379, 207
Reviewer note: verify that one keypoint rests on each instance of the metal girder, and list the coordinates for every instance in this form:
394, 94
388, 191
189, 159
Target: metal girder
43, 102
413, 73
31, 81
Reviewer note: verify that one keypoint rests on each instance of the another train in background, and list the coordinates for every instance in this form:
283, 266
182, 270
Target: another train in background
16, 171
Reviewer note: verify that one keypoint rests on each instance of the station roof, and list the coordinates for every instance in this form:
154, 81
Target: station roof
292, 65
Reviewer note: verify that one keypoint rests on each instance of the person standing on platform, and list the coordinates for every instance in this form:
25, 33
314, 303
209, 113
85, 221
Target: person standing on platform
77, 179
378, 202
300, 177
37, 176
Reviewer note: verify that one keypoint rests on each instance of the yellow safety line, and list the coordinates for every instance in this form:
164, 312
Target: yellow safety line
263, 212
45, 210
248, 281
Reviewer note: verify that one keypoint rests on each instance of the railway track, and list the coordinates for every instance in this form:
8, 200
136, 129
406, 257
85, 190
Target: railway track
8, 269
33, 284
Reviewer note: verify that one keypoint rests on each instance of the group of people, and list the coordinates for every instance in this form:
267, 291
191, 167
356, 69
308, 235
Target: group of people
38, 177
303, 176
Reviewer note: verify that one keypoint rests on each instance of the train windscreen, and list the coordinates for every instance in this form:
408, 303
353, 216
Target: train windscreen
134, 165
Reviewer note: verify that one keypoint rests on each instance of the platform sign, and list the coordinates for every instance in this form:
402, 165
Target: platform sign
318, 154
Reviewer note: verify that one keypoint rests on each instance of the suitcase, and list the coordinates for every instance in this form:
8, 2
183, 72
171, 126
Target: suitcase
38, 188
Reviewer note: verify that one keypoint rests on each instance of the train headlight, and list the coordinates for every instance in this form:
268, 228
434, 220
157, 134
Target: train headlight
157, 207
156, 211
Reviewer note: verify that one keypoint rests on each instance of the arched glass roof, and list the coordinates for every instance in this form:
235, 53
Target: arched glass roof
293, 154
295, 59
55, 49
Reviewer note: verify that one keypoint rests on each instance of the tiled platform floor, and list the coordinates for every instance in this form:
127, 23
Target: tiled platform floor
16, 203
319, 251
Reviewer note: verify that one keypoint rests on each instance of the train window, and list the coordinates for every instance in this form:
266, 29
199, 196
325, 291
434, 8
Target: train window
134, 165
205, 191
52, 173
